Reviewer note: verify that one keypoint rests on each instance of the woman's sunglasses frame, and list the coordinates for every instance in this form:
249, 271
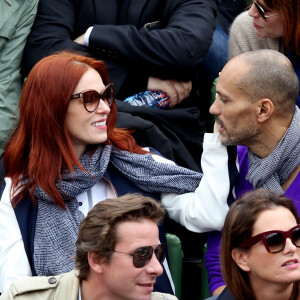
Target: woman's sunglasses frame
108, 99
261, 11
265, 236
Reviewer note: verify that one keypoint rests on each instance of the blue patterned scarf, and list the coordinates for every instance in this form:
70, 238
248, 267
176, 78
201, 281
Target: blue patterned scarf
272, 171
57, 229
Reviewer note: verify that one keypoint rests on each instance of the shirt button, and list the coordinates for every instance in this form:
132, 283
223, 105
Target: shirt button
52, 280
80, 203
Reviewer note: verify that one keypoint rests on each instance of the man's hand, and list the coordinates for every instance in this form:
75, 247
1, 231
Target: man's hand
176, 90
80, 40
216, 127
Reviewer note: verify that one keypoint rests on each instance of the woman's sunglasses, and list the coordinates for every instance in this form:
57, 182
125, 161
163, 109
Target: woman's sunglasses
141, 256
274, 240
91, 98
261, 11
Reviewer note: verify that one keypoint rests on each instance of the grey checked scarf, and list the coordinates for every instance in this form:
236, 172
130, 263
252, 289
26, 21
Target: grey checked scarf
270, 172
57, 229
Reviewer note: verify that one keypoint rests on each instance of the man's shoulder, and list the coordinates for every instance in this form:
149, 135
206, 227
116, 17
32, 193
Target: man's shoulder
162, 296
38, 287
14, 9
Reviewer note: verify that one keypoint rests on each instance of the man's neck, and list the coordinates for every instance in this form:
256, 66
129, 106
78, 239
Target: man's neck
91, 290
94, 289
269, 138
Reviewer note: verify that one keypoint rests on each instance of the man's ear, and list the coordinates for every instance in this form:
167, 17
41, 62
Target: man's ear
95, 262
240, 257
264, 109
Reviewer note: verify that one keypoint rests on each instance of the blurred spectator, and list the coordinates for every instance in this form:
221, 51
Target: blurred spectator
217, 57
269, 24
147, 45
16, 19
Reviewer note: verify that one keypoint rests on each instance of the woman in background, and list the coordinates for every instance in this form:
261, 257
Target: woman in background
260, 253
268, 24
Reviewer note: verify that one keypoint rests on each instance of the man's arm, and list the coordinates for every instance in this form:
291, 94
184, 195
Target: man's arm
53, 30
168, 52
205, 209
181, 40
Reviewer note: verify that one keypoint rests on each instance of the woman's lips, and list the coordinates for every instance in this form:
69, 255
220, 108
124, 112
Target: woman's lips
291, 264
256, 26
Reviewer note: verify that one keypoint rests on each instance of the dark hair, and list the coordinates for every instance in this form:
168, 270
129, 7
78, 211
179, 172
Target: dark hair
289, 10
40, 148
238, 227
98, 231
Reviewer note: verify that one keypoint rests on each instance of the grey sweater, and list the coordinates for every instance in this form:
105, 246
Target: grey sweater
243, 38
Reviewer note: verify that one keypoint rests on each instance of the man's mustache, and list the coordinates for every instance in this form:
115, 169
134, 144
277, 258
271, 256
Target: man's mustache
217, 120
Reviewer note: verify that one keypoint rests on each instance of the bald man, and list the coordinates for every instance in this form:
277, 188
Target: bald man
255, 110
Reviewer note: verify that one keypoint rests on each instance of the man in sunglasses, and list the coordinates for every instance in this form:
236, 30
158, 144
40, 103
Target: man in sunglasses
118, 256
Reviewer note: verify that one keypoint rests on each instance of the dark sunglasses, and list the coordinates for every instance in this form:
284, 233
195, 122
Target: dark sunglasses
261, 11
274, 240
141, 256
91, 98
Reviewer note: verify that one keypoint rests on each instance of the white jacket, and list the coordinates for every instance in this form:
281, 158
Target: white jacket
206, 208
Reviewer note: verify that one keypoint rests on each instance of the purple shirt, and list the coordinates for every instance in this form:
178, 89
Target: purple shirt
212, 256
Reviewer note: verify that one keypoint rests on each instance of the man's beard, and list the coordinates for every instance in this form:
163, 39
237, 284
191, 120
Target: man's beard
244, 136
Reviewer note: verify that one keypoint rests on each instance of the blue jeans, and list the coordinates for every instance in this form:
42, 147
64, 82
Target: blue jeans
216, 57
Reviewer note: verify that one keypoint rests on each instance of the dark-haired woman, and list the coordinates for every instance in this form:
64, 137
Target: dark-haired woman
260, 252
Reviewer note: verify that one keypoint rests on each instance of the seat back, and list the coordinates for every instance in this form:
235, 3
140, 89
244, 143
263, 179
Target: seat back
175, 261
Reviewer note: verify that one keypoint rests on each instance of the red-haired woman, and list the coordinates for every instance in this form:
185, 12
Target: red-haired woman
64, 157
268, 24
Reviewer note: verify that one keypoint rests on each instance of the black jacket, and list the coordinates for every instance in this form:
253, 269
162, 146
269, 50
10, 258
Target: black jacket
225, 295
171, 47
176, 133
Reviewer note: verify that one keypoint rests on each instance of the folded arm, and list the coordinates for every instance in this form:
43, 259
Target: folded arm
170, 50
182, 38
